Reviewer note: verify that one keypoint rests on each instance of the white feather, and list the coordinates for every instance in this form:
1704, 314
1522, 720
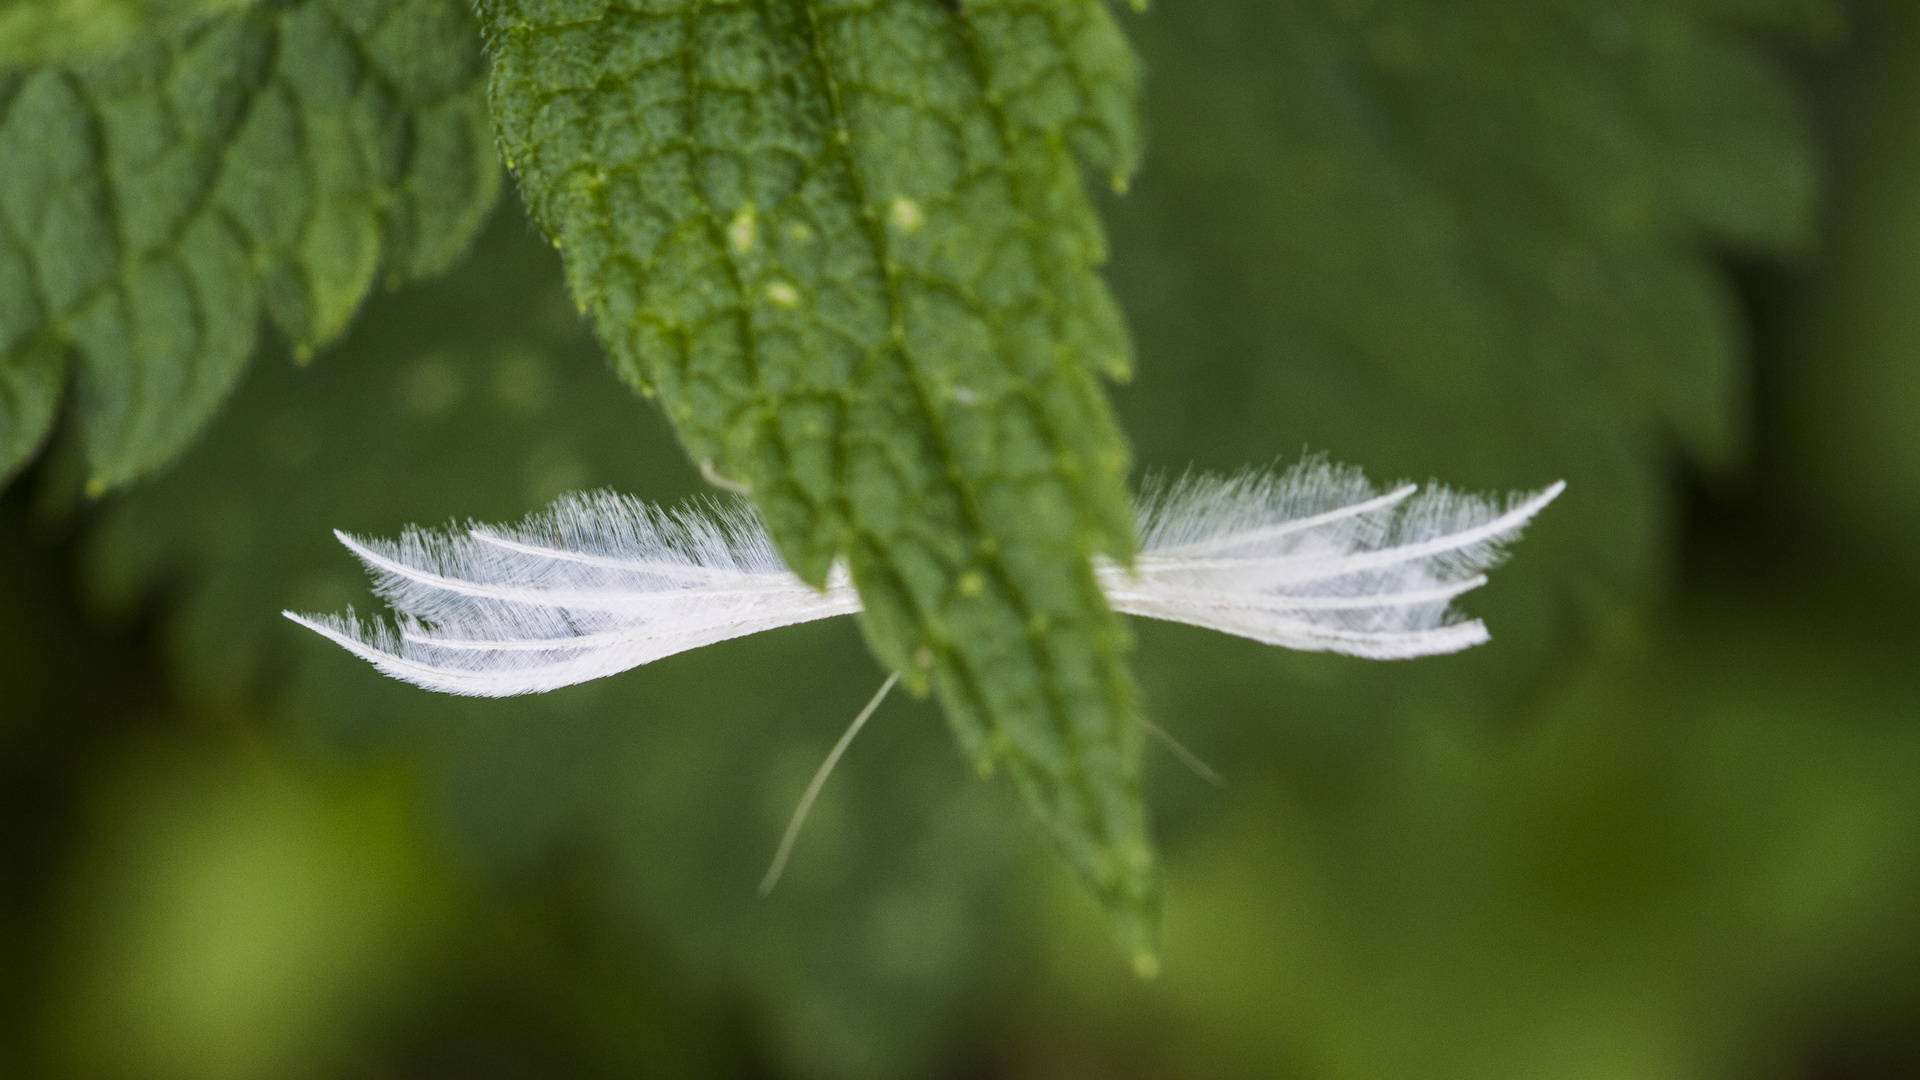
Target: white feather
596, 585
1315, 559
1311, 559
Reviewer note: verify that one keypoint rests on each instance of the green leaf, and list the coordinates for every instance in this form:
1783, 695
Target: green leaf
158, 199
664, 789
848, 246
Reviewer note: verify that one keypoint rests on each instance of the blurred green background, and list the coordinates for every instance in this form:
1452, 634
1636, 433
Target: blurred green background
1667, 825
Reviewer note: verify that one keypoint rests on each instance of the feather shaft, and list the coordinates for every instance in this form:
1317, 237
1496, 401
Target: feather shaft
682, 571
1273, 532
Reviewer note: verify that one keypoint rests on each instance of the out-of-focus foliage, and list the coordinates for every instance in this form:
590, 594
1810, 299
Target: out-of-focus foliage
158, 196
1848, 454
1474, 241
1692, 839
848, 246
235, 921
63, 31
1667, 825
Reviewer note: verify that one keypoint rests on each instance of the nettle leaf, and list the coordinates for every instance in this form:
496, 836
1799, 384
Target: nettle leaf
660, 793
848, 246
158, 199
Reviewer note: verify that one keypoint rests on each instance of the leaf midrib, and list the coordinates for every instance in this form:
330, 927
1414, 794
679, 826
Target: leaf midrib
924, 397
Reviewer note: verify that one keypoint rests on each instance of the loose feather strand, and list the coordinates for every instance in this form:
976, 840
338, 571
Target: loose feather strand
1311, 559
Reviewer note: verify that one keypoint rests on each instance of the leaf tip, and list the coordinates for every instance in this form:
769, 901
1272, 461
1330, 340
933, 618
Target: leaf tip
1136, 927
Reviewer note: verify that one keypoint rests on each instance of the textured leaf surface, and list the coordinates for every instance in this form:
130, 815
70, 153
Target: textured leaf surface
158, 199
848, 246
